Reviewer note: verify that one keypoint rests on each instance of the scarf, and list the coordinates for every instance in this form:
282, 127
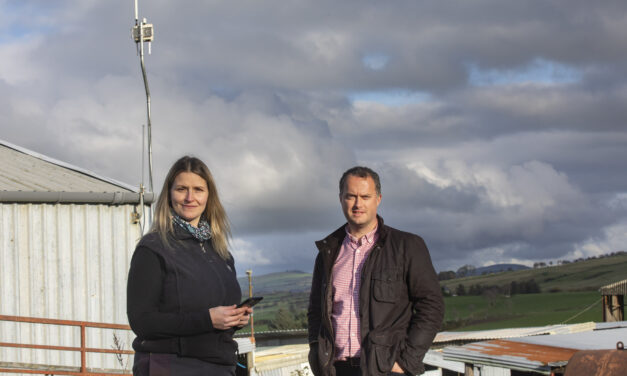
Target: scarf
202, 232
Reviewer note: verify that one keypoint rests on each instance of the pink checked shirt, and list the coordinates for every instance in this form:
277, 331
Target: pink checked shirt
346, 282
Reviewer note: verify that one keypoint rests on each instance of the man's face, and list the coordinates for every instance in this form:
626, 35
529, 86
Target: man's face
359, 201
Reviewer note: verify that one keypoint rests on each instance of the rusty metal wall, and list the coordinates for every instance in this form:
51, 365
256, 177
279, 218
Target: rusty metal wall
64, 261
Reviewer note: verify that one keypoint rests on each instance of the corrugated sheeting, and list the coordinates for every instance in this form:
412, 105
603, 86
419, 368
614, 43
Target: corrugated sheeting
510, 355
435, 358
491, 371
616, 288
65, 262
538, 354
595, 340
482, 335
25, 170
611, 325
283, 360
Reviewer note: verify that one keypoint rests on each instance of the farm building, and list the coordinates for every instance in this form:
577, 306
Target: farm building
66, 239
614, 301
534, 354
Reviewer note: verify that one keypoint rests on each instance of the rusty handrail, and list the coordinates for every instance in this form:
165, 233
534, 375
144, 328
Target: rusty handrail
83, 348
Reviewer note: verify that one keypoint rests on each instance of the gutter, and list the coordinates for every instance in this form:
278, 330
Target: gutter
112, 198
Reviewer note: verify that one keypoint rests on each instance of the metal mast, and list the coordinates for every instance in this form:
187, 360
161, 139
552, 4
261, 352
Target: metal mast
143, 32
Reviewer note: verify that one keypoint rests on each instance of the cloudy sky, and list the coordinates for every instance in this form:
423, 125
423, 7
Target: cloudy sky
499, 129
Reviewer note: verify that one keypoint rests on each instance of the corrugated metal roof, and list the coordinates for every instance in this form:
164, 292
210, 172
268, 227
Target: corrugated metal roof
443, 338
616, 288
611, 325
510, 354
24, 170
538, 353
595, 340
245, 345
276, 358
436, 359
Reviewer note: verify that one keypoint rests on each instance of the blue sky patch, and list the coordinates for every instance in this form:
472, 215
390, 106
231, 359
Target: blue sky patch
538, 71
375, 61
394, 98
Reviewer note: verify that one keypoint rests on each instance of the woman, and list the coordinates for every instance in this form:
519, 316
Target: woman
182, 288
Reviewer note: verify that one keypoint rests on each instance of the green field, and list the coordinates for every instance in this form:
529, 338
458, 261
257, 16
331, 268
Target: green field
475, 312
269, 307
481, 313
567, 291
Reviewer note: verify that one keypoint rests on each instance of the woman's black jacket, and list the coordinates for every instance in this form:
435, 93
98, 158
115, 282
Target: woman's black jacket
169, 293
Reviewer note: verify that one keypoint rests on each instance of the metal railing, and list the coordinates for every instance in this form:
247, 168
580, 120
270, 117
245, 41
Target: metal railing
83, 349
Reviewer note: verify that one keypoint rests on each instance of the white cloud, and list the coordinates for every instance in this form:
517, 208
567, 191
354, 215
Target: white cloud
276, 98
246, 253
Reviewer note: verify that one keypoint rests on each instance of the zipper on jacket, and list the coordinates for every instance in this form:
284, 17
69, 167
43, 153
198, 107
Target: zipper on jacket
202, 247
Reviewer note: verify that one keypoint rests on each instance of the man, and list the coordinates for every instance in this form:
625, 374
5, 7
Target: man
375, 303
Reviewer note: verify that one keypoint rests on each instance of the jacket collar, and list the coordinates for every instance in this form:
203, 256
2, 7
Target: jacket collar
334, 241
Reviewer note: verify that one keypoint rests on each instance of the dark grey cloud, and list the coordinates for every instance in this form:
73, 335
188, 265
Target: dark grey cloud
525, 163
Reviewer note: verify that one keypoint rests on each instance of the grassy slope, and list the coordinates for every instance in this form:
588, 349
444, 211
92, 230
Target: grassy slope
577, 276
578, 283
277, 282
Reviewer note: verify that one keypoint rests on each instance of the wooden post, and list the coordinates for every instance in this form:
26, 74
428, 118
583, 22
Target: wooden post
469, 370
613, 308
249, 273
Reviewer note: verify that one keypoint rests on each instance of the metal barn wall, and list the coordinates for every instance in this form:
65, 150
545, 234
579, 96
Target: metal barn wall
69, 262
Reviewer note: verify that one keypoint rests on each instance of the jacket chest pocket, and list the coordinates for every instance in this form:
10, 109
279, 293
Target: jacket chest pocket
386, 285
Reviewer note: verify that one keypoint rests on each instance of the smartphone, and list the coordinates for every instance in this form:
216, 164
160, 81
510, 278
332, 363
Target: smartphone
250, 301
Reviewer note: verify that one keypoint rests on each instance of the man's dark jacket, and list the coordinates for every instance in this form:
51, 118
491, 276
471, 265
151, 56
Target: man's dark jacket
400, 304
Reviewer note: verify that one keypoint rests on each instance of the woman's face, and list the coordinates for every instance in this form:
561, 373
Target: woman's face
189, 194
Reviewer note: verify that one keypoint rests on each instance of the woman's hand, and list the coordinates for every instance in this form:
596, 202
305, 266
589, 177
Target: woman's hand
226, 317
244, 320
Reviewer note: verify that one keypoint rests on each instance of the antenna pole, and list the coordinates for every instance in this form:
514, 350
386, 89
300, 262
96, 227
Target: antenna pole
149, 127
143, 32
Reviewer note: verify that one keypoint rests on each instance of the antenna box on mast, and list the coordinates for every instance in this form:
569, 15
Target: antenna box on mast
146, 30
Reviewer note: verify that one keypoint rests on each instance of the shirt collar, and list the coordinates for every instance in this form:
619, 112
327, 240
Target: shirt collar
369, 238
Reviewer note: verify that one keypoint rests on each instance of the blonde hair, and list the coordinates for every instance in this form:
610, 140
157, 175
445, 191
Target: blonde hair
214, 212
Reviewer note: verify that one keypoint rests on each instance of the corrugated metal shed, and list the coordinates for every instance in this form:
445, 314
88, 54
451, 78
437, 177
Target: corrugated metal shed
534, 354
616, 288
63, 259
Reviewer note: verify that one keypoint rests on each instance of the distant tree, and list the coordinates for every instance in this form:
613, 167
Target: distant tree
475, 289
531, 287
466, 270
513, 288
460, 290
491, 294
286, 319
449, 274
